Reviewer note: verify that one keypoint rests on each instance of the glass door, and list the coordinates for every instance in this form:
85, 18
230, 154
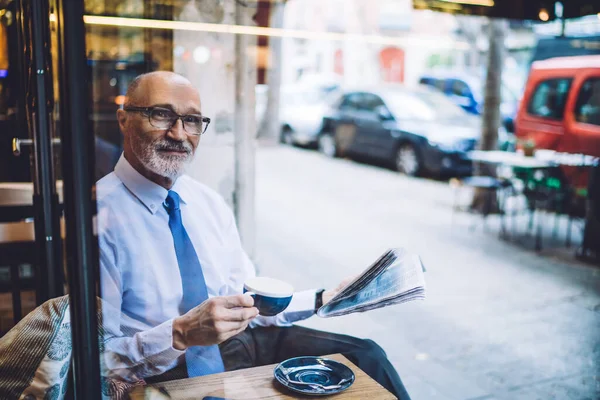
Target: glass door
47, 246
29, 201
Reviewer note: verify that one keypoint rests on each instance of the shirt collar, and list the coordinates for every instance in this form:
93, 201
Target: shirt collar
150, 194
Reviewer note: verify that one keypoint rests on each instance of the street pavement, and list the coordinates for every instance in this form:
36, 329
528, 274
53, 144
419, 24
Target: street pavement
500, 321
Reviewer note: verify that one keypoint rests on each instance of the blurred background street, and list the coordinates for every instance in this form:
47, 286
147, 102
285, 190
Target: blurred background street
499, 321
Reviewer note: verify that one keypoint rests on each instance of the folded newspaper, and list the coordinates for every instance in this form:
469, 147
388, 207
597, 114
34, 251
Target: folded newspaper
396, 277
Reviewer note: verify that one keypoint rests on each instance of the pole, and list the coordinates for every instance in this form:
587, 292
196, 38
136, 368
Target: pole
45, 199
80, 206
270, 128
244, 133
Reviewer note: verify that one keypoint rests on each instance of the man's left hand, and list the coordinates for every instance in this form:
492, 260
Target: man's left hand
331, 293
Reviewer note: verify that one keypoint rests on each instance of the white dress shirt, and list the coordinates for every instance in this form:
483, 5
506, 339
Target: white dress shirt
139, 275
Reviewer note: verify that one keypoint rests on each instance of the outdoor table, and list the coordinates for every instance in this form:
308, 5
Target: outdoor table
256, 383
542, 160
515, 161
508, 159
566, 159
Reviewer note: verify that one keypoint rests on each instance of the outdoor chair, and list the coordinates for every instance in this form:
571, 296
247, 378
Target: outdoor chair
497, 190
590, 247
549, 192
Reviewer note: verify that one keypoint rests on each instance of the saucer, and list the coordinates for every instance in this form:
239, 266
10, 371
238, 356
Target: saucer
315, 376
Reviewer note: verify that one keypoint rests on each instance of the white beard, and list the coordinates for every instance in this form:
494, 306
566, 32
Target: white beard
165, 166
168, 166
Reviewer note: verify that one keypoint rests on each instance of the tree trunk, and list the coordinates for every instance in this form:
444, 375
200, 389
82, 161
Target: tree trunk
269, 126
491, 112
244, 133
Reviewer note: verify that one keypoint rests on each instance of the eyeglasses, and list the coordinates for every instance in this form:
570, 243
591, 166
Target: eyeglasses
163, 118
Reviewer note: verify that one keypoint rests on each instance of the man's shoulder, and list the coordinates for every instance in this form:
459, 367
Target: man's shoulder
107, 186
109, 196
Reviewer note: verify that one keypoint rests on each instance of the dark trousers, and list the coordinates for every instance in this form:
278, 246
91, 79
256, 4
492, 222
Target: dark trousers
262, 346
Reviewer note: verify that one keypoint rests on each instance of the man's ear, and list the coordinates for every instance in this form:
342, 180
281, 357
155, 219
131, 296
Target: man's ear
122, 119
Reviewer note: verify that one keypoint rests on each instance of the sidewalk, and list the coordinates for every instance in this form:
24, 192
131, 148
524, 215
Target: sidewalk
500, 321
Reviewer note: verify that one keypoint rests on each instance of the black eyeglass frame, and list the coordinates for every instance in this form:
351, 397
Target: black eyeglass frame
147, 111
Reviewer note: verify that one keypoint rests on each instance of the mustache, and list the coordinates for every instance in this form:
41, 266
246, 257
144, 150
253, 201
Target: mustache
171, 145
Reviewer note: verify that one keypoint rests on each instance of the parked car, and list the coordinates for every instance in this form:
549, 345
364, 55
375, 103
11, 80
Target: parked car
414, 130
560, 109
301, 108
468, 92
301, 113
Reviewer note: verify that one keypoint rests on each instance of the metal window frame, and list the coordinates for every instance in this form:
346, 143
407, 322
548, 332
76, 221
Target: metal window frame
80, 205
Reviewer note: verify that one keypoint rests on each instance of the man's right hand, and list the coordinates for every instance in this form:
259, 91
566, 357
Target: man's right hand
214, 321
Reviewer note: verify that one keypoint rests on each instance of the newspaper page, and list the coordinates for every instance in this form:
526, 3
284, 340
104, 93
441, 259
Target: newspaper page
396, 277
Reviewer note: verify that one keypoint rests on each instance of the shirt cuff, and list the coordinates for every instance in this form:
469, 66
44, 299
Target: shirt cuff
302, 306
159, 340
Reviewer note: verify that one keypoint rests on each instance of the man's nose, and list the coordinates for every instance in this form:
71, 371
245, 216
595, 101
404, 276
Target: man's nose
177, 132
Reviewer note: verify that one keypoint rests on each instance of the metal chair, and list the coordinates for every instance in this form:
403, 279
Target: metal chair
496, 192
550, 192
590, 248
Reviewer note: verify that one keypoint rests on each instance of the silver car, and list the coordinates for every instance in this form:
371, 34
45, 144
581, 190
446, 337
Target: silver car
301, 113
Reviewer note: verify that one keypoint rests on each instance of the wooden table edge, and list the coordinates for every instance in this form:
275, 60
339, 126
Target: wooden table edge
378, 391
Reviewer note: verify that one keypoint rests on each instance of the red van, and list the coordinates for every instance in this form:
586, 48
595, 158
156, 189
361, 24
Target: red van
560, 108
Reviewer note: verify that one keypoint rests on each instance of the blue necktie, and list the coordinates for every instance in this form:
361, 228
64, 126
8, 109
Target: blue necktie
200, 360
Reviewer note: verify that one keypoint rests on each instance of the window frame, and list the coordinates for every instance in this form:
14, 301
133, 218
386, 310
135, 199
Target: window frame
529, 105
464, 85
369, 98
577, 105
352, 105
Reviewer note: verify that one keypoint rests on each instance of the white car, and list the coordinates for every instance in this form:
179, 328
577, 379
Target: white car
301, 110
301, 114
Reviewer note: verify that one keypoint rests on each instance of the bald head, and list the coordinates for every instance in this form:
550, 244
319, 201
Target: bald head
140, 89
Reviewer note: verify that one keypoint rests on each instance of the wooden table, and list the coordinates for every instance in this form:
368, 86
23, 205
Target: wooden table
256, 383
16, 200
21, 193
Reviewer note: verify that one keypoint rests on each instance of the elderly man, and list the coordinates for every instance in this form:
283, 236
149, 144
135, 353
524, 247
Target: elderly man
172, 264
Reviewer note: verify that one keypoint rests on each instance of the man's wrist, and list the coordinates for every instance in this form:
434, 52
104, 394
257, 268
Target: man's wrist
319, 299
179, 342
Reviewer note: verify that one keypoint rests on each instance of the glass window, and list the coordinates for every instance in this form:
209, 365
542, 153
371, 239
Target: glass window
371, 102
478, 89
186, 253
301, 97
587, 108
428, 81
507, 94
459, 88
351, 101
440, 84
424, 106
549, 98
